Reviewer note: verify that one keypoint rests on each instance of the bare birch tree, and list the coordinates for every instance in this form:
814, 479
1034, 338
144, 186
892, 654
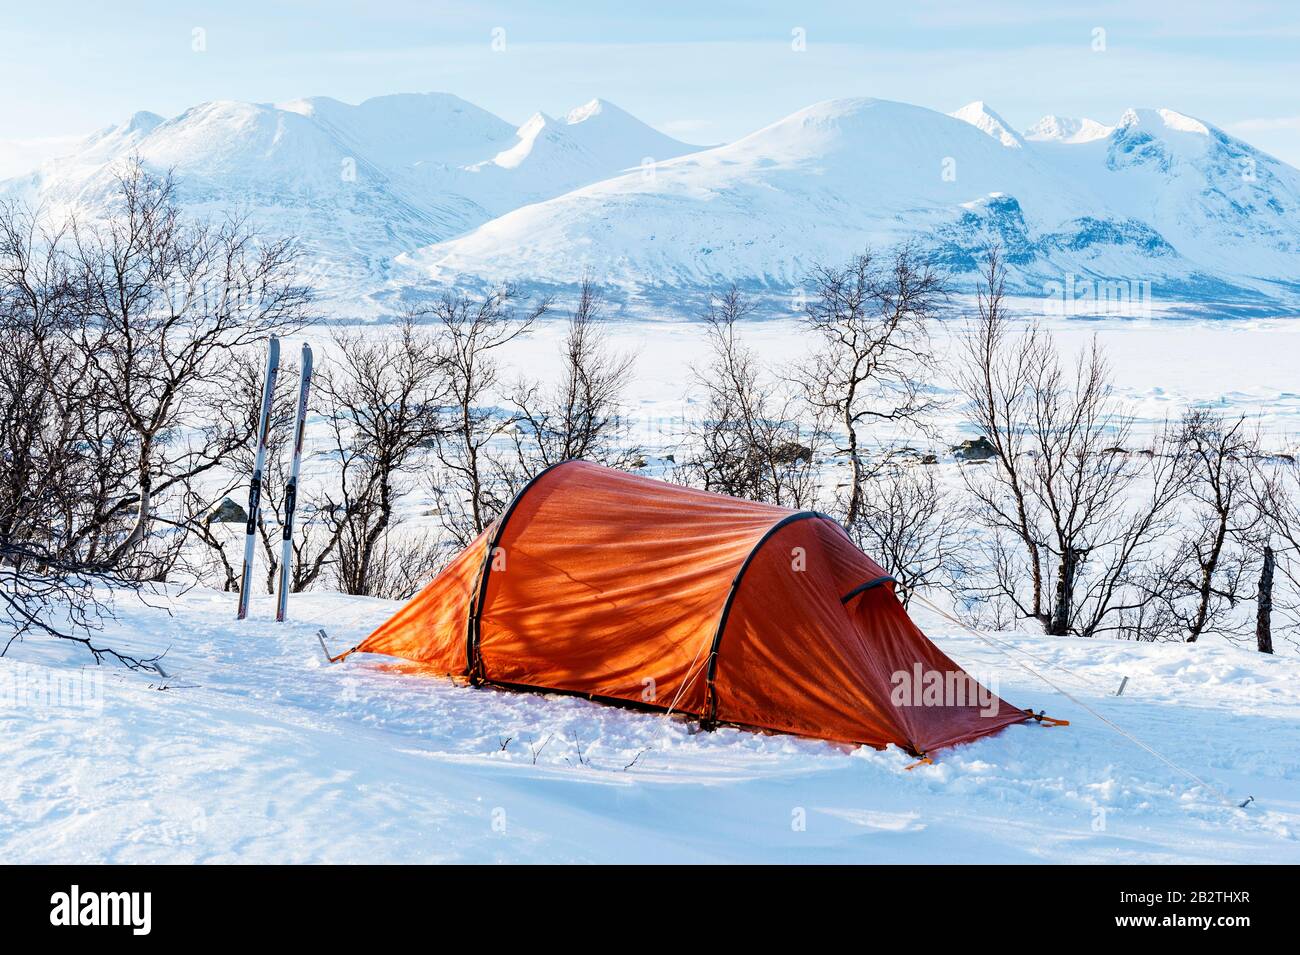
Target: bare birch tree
580, 415
1208, 572
472, 331
912, 527
748, 441
166, 306
127, 334
871, 319
1276, 494
382, 400
1071, 537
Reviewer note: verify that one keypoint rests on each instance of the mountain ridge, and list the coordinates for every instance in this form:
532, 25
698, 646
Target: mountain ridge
1162, 198
358, 184
411, 192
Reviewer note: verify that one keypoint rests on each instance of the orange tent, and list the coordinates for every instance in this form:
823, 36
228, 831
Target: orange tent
627, 589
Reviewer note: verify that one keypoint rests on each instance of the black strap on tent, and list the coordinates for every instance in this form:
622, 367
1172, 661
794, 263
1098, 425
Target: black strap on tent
473, 631
863, 588
710, 718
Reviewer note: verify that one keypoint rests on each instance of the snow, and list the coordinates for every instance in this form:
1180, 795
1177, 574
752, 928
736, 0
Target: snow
402, 195
836, 175
256, 750
985, 119
527, 133
1064, 129
357, 184
1166, 119
1159, 198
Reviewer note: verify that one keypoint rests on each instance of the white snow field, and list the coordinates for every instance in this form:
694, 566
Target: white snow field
257, 750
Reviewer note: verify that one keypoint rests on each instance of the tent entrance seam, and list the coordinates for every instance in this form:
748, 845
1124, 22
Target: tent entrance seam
709, 718
473, 629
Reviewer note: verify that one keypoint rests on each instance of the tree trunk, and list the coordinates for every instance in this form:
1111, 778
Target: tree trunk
1059, 625
363, 583
1264, 605
137, 532
1037, 579
855, 486
475, 487
1208, 568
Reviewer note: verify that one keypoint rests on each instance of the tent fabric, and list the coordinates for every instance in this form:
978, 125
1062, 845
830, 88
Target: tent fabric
624, 588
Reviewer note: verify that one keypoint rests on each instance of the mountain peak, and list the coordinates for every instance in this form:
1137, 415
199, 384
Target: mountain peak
1066, 129
114, 138
142, 121
607, 130
1163, 120
409, 128
388, 102
587, 110
534, 124
983, 118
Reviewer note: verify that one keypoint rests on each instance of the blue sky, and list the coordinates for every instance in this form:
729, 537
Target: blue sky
705, 72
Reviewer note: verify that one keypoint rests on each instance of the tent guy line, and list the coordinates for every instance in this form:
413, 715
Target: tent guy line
1218, 793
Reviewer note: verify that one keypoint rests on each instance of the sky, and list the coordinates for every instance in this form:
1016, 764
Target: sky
703, 72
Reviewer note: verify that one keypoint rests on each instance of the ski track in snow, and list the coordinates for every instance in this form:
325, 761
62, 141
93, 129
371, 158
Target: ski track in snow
256, 750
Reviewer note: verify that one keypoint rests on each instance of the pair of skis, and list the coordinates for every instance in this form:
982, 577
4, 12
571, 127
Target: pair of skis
291, 487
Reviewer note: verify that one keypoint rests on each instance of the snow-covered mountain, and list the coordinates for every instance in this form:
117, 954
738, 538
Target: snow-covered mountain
1160, 197
1064, 129
18, 156
979, 115
1219, 203
809, 189
422, 190
550, 156
359, 184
